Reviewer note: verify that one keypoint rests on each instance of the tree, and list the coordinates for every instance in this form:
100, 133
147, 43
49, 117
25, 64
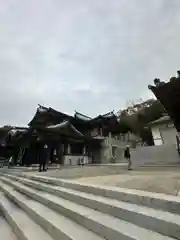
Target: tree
124, 126
135, 118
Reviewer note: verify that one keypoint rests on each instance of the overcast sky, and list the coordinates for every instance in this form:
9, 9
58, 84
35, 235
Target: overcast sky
86, 55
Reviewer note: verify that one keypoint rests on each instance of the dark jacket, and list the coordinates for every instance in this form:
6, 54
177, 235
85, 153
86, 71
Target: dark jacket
127, 153
45, 152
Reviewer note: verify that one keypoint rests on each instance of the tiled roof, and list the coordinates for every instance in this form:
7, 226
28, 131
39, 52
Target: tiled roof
161, 120
64, 128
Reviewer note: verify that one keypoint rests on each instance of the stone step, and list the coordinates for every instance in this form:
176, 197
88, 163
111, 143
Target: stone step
103, 224
32, 168
6, 231
58, 226
110, 206
23, 226
154, 200
92, 200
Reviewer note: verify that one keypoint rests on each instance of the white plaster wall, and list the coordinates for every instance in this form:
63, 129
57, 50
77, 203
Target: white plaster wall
74, 160
106, 151
168, 135
156, 135
163, 135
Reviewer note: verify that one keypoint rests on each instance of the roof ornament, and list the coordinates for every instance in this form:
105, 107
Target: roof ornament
41, 108
172, 79
178, 73
157, 83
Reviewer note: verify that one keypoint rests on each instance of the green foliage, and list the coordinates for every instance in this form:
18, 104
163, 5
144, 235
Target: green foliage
137, 116
124, 126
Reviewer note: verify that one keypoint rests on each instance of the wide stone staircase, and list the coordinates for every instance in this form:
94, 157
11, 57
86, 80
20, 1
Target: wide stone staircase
39, 207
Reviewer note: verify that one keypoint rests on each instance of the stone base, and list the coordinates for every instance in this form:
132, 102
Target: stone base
76, 159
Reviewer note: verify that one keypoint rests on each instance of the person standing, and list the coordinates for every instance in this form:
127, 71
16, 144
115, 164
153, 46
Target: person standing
43, 158
127, 155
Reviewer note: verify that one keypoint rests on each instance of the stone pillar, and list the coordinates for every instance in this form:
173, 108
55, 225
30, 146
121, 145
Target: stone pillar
110, 145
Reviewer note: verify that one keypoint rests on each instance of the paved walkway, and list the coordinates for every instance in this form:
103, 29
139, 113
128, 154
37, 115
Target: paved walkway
167, 182
154, 179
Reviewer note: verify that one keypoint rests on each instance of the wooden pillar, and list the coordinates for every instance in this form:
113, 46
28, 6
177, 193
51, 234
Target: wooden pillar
60, 153
84, 150
101, 132
69, 149
62, 148
69, 153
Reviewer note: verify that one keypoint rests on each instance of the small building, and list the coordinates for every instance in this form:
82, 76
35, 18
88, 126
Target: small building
163, 131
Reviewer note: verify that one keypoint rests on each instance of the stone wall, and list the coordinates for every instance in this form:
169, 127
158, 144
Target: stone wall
164, 154
112, 150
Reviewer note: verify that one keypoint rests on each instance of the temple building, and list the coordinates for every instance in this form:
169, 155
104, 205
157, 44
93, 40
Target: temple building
71, 140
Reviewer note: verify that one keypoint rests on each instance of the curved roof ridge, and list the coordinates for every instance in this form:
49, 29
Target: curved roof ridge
108, 113
64, 125
76, 112
83, 115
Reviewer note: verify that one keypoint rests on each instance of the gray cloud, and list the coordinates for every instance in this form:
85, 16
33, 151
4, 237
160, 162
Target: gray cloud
85, 55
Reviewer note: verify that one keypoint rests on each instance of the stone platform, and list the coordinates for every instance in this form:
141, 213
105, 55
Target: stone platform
166, 181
